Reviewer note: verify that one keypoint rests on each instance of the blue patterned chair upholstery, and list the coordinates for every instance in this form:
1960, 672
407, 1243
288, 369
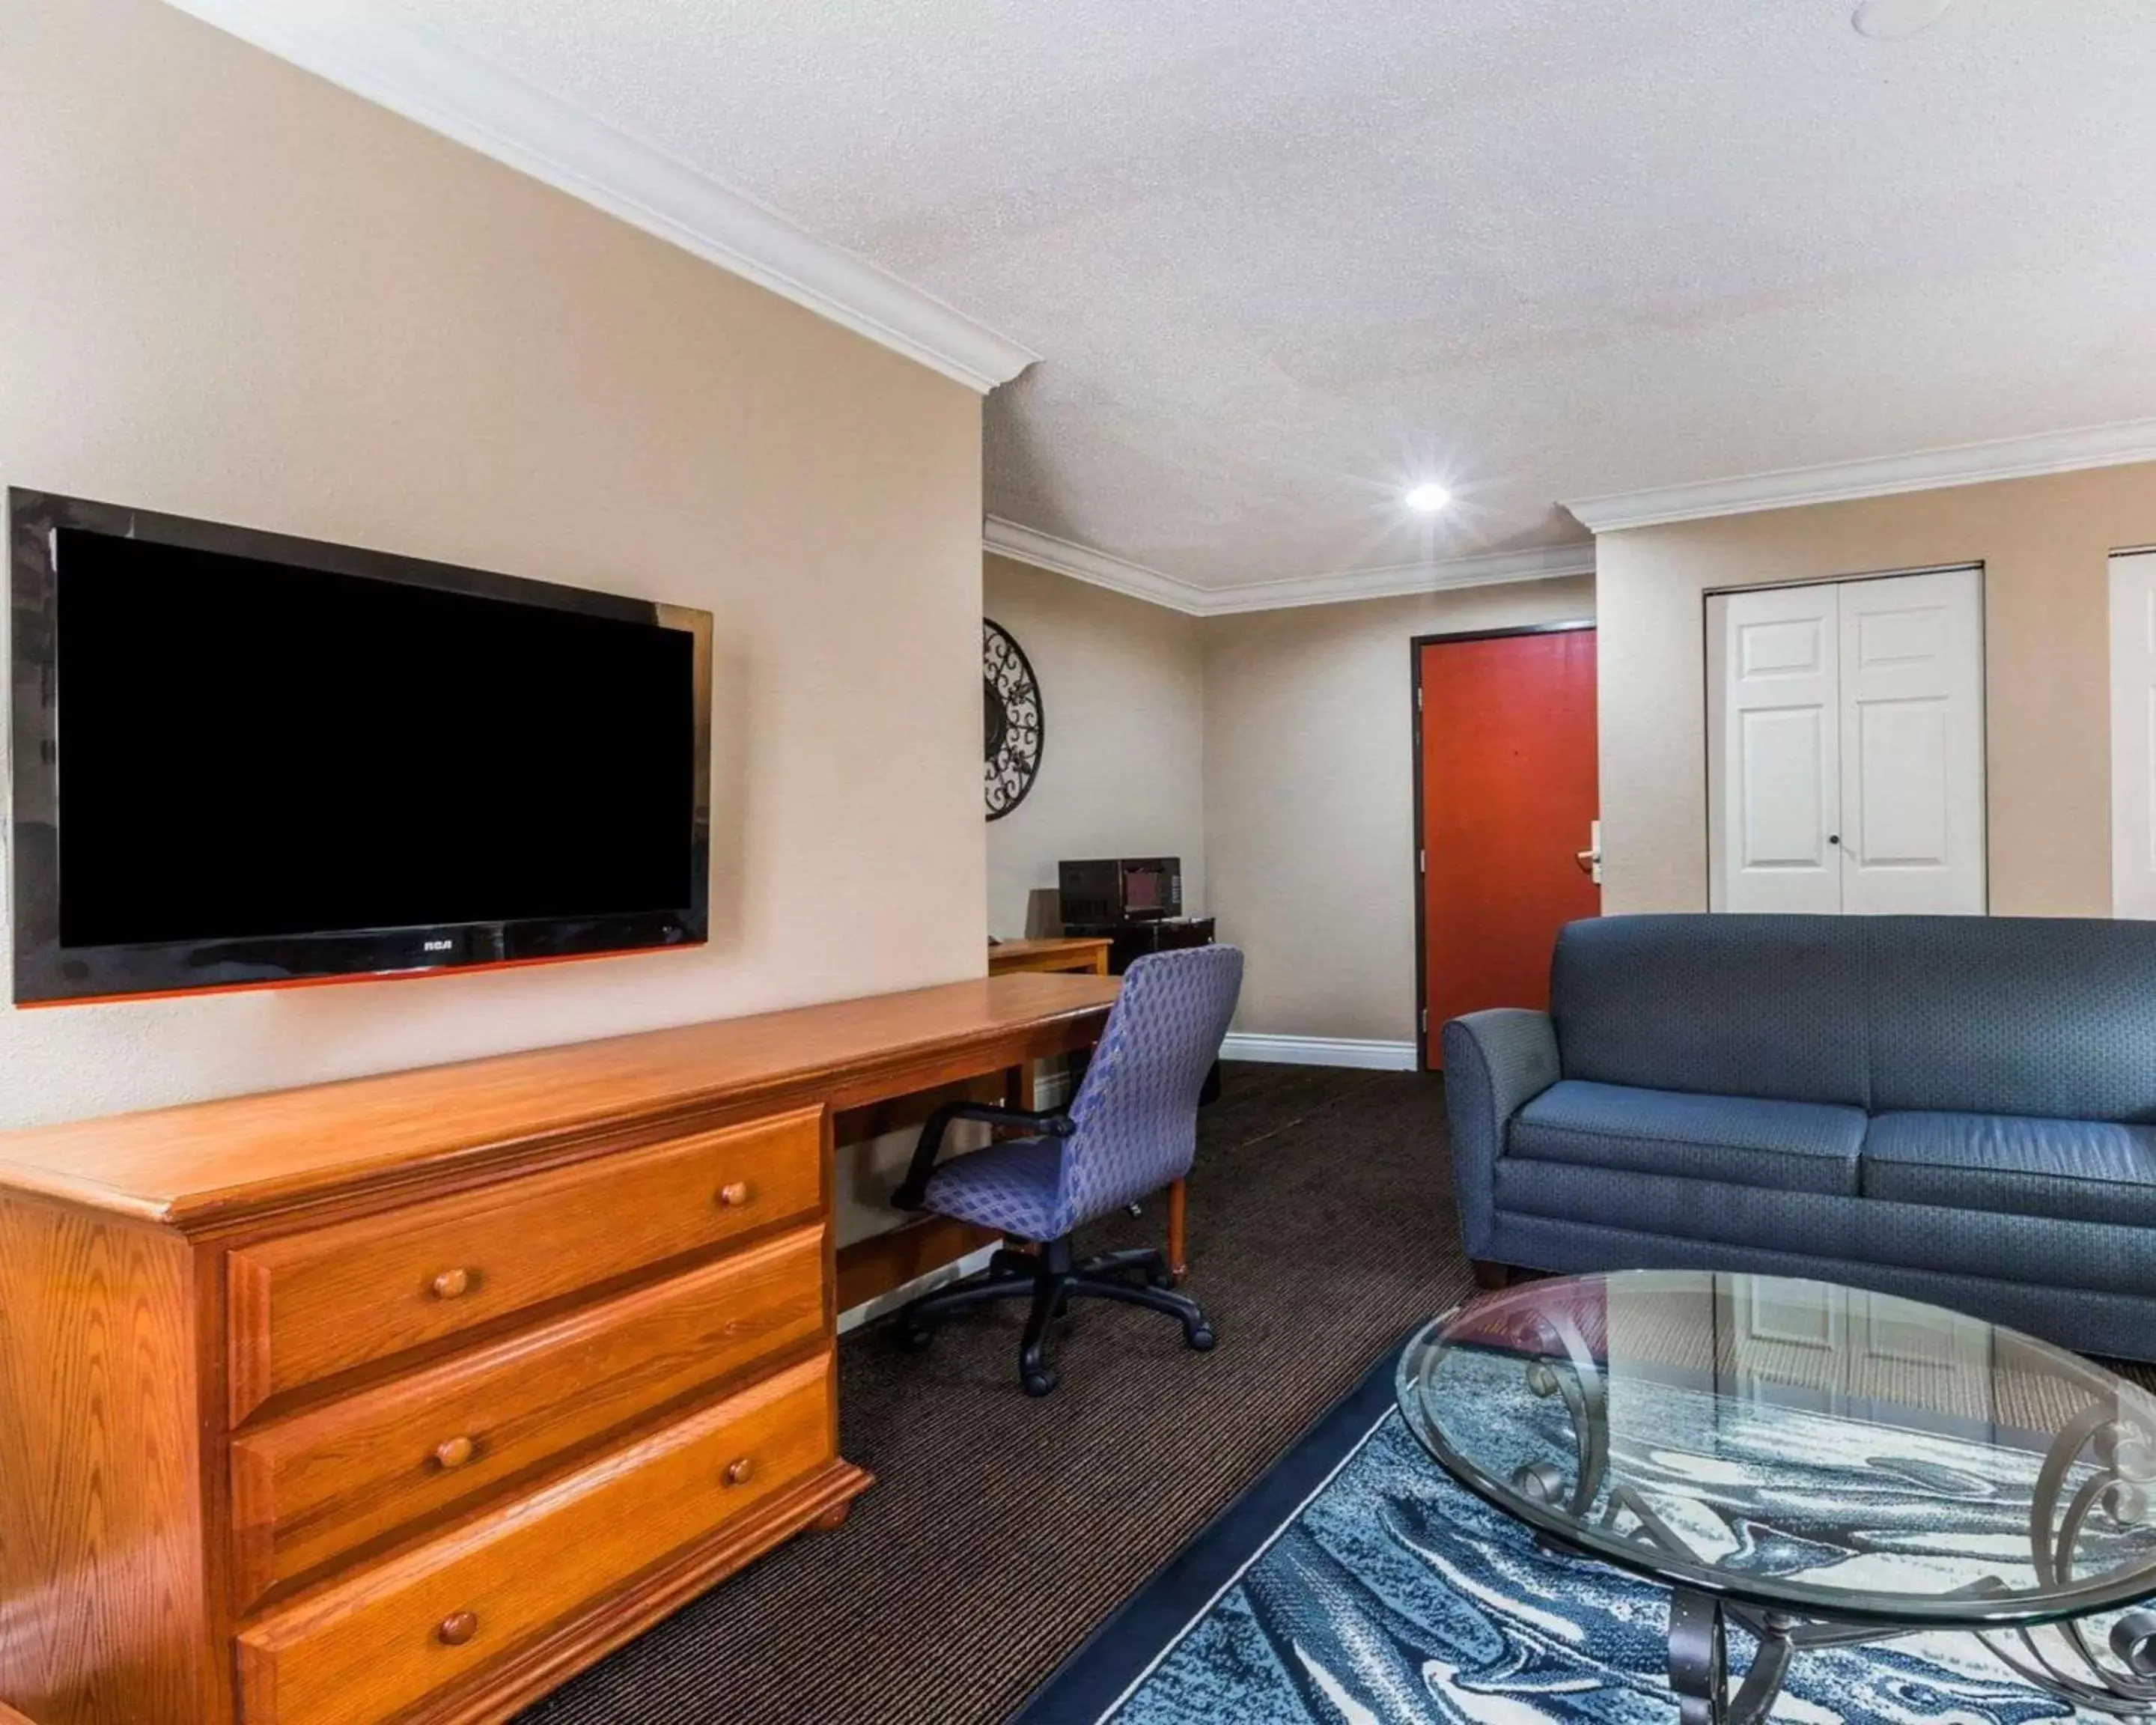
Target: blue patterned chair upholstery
1960, 1109
1132, 1129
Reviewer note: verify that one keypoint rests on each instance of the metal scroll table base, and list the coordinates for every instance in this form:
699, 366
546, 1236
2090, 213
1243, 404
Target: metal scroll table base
2062, 1659
1700, 1674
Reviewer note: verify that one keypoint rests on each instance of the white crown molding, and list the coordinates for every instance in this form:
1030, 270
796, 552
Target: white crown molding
1365, 1052
2048, 452
1066, 556
1043, 550
376, 53
1399, 580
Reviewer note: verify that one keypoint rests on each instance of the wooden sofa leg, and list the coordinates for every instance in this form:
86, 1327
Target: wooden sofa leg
1490, 1275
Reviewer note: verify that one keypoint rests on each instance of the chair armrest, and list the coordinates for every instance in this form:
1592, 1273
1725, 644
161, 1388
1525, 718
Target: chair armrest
1051, 1122
1496, 1062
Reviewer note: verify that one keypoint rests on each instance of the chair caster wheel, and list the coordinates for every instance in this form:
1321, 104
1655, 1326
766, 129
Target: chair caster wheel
1202, 1338
1040, 1383
915, 1337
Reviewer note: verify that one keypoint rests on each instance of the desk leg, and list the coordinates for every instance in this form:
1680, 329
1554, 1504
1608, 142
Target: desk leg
1178, 1265
1018, 1084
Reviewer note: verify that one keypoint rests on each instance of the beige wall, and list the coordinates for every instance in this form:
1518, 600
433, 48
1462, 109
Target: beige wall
1310, 798
229, 290
1121, 686
2043, 543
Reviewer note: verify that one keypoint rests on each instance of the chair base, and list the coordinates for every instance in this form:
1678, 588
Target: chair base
1053, 1279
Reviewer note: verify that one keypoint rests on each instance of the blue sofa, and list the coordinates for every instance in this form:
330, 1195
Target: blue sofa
1960, 1109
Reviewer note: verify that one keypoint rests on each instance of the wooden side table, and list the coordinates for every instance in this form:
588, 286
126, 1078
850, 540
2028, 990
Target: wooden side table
1088, 954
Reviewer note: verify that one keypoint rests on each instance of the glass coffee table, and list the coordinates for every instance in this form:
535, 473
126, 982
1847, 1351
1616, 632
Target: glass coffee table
1816, 1466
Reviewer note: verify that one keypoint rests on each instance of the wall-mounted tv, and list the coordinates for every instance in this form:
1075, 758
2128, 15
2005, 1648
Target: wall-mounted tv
241, 759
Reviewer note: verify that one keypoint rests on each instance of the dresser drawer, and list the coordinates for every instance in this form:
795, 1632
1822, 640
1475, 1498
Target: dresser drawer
307, 1489
380, 1643
312, 1305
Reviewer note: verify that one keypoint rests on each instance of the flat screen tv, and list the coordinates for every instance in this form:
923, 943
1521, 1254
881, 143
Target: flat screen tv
240, 759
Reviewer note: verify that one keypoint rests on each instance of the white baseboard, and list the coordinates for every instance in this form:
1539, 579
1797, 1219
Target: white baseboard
976, 1260
1320, 1051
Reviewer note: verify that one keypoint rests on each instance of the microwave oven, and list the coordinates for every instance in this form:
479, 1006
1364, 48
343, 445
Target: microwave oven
1125, 889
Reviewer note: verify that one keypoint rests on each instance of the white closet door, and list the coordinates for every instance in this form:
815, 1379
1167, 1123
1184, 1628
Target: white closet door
1774, 730
1901, 1355
2134, 734
1780, 1340
1912, 744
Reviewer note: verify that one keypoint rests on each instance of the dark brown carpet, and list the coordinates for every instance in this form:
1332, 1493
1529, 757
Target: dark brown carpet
1001, 1529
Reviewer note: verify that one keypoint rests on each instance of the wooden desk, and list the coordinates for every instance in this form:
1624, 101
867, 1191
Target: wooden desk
1087, 953
413, 1395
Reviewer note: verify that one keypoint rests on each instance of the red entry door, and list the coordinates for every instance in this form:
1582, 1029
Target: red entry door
1509, 797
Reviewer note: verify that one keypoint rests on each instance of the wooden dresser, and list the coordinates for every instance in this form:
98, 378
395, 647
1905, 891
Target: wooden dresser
405, 1398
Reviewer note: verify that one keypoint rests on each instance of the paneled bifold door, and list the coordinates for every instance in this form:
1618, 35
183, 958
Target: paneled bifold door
2134, 734
1845, 746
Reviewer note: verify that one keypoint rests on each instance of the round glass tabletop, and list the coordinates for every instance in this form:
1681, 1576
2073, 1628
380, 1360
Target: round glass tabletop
1798, 1446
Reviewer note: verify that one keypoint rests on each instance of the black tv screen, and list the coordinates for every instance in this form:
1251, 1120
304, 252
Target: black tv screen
262, 759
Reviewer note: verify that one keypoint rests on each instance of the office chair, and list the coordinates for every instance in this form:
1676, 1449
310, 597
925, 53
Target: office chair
1132, 1129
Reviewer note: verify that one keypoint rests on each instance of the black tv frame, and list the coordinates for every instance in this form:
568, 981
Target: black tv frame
47, 973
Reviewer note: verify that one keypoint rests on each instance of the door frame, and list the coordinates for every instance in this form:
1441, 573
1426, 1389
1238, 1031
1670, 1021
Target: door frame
1415, 846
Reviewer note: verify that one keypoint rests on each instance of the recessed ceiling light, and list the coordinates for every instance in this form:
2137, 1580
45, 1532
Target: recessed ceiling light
1427, 498
1888, 20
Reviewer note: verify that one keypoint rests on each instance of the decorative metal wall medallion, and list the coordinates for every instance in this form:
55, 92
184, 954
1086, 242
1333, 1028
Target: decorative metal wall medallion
1013, 729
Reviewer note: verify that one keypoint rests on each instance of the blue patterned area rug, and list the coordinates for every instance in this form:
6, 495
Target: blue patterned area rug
1356, 1584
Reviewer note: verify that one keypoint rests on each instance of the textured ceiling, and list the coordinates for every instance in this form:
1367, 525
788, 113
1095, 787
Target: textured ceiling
1280, 258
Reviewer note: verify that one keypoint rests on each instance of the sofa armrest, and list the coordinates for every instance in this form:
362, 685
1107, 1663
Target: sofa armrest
1496, 1062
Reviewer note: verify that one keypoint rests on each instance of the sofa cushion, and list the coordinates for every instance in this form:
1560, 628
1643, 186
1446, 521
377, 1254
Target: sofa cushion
2029, 1015
1736, 1006
1639, 1214
2076, 1170
1745, 1141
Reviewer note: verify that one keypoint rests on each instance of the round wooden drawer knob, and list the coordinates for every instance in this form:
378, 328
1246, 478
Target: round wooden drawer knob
734, 1195
451, 1284
737, 1472
452, 1453
458, 1628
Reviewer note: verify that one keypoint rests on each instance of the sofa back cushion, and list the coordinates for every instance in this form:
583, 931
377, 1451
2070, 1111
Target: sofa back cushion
1745, 1006
2029, 1015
